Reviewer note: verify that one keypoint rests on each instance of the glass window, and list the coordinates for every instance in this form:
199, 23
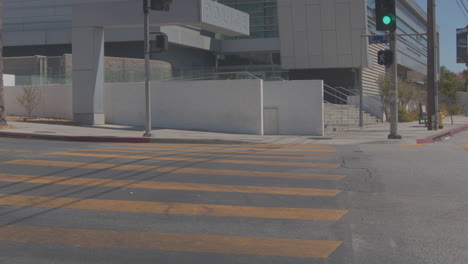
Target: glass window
263, 17
250, 58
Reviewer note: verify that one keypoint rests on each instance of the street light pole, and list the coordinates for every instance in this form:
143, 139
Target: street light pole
146, 11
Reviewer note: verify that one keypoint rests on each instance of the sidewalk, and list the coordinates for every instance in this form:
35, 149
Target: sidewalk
69, 131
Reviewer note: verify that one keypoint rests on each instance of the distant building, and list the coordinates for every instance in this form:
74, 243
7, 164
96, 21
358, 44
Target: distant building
290, 39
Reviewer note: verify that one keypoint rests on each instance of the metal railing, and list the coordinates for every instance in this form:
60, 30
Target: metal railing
341, 114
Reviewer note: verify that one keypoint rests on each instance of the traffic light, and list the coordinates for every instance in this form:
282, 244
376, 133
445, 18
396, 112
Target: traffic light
160, 43
385, 57
385, 13
161, 5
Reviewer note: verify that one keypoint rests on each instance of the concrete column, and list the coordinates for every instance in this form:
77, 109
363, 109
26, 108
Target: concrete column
88, 75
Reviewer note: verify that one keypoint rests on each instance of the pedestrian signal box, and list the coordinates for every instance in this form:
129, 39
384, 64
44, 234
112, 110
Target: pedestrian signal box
385, 57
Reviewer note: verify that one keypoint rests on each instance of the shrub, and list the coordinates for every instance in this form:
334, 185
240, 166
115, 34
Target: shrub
403, 115
30, 99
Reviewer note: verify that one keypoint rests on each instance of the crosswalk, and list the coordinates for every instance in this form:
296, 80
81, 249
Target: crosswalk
283, 193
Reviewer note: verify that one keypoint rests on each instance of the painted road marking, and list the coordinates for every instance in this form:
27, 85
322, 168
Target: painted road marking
413, 145
241, 173
204, 154
313, 145
14, 150
226, 151
464, 145
168, 185
255, 162
171, 242
173, 208
256, 149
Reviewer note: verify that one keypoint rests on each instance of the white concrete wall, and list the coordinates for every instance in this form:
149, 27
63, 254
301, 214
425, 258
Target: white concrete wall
9, 80
297, 107
55, 102
219, 106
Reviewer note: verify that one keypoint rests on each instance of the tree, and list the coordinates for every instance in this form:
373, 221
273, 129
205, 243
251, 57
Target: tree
450, 83
3, 121
30, 99
409, 94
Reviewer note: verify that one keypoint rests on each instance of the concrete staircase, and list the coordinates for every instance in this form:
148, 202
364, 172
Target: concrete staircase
345, 117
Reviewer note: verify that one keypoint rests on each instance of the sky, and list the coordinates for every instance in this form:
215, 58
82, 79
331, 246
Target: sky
449, 18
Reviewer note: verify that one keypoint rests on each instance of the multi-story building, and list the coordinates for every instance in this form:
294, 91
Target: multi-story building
289, 39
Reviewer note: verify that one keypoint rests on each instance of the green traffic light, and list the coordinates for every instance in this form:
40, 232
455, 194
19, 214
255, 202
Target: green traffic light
387, 20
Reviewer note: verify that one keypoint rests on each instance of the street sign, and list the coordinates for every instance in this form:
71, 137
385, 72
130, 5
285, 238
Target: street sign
462, 45
378, 39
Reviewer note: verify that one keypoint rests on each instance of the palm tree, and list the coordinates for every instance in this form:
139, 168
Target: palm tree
3, 121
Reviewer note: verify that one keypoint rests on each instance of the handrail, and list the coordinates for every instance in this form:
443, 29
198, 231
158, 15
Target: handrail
334, 89
336, 97
348, 90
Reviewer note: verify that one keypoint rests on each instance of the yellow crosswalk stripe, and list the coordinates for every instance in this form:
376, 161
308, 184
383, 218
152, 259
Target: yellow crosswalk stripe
15, 150
171, 242
245, 148
464, 145
298, 145
331, 153
173, 208
158, 185
204, 154
256, 162
241, 173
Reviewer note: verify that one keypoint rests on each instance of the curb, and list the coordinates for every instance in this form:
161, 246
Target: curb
111, 139
440, 136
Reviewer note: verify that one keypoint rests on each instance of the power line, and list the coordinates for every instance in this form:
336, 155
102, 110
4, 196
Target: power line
462, 8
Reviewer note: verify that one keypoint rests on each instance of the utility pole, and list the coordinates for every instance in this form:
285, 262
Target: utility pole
3, 120
466, 87
146, 11
431, 67
394, 88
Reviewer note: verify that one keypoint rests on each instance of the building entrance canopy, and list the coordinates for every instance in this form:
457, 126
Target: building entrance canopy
89, 22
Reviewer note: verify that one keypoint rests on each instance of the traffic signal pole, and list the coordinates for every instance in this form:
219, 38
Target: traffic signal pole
394, 89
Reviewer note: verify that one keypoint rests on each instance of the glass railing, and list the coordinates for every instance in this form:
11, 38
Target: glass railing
228, 73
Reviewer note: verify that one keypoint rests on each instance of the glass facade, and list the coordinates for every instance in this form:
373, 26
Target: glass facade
263, 24
263, 17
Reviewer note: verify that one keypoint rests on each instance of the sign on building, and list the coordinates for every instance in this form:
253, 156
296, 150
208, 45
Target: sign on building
462, 45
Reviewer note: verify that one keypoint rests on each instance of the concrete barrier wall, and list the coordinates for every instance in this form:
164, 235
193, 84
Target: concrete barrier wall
219, 106
294, 107
55, 101
237, 106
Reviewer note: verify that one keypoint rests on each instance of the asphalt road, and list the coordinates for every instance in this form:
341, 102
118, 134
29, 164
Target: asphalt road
373, 203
